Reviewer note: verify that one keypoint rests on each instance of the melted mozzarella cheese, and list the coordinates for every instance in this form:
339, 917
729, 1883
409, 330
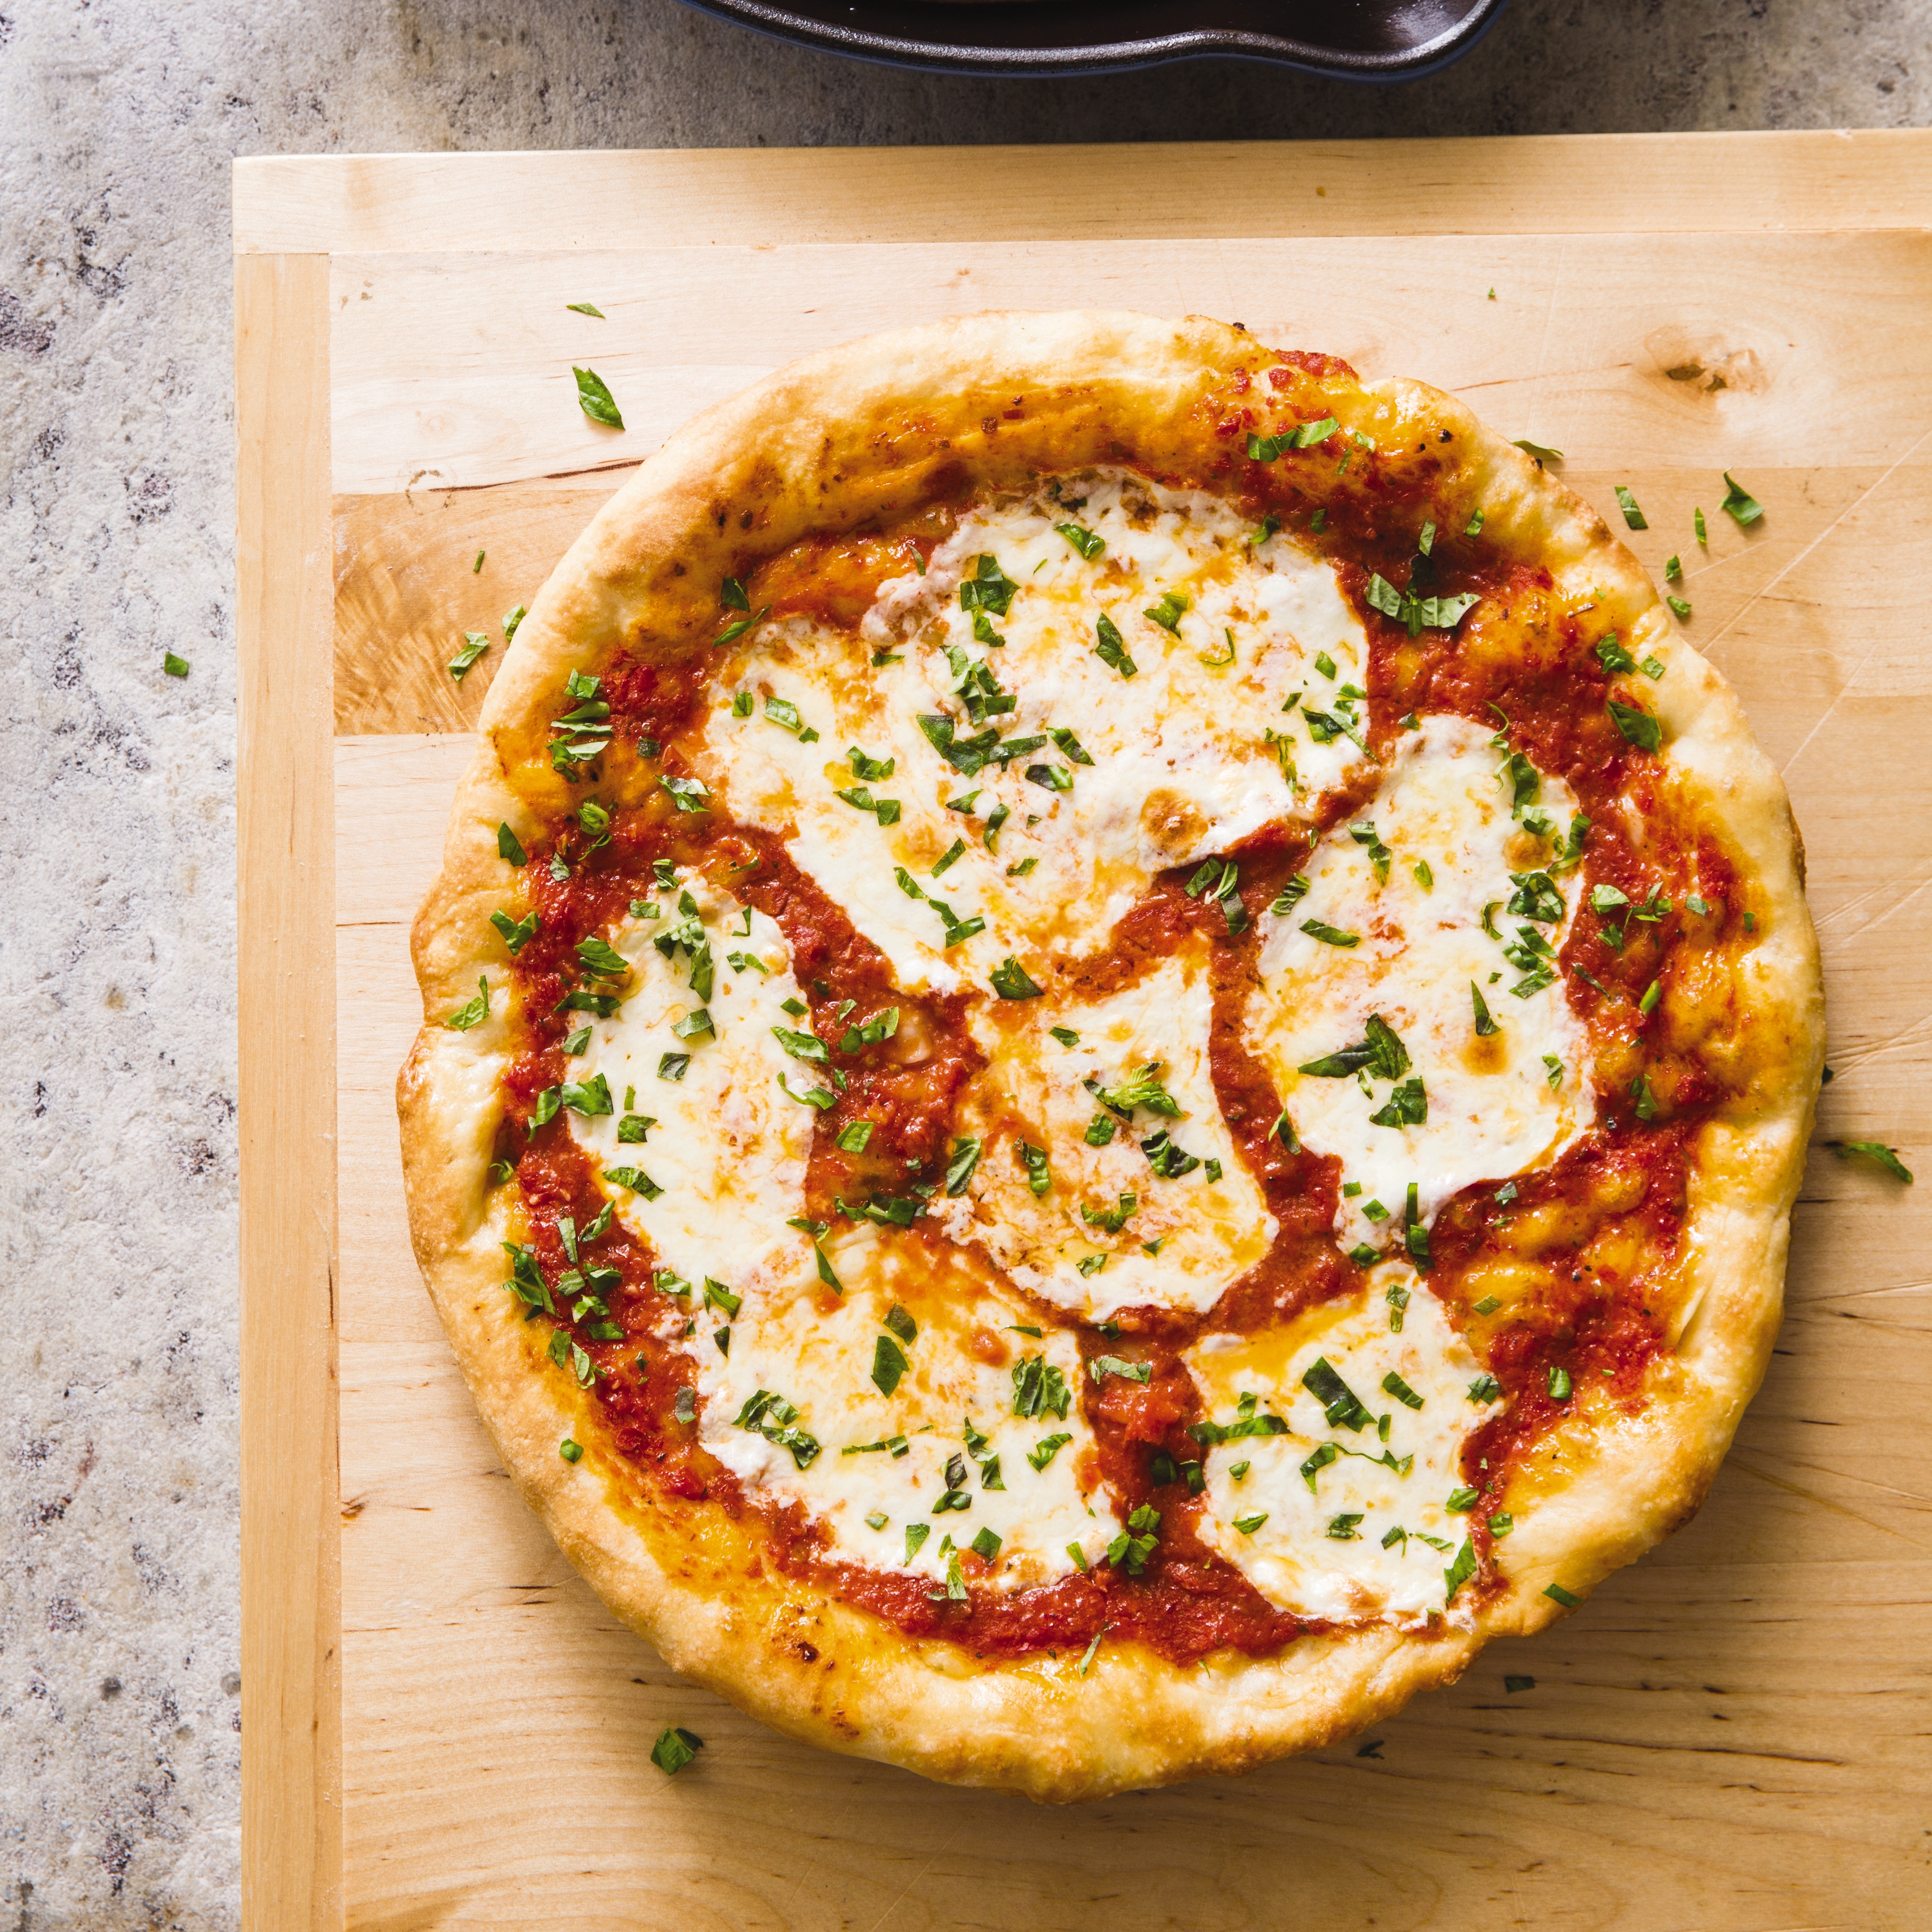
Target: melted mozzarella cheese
1182, 1240
728, 1149
817, 1351
1180, 762
1304, 1554
1493, 1108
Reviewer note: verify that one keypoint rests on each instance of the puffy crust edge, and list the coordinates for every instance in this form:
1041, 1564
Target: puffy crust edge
859, 432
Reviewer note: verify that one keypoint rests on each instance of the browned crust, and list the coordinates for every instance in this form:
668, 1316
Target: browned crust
860, 432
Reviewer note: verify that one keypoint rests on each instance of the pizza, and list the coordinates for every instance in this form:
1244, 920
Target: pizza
1116, 1040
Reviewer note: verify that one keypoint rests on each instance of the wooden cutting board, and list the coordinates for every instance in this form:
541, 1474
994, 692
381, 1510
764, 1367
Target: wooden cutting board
444, 1728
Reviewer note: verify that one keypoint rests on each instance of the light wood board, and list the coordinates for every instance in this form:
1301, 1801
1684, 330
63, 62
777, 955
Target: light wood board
1732, 1736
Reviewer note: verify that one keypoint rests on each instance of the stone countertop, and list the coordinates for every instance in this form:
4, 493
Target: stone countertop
119, 1711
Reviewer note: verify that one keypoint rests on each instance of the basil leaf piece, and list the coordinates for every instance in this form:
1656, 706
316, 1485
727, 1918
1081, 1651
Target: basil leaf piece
672, 1065
959, 1169
516, 934
474, 643
1167, 611
1341, 1407
1088, 543
1329, 935
1111, 649
888, 1364
1485, 1024
474, 1013
585, 308
988, 588
1101, 1367
174, 666
594, 399
1538, 451
1679, 607
687, 794
509, 847
1639, 727
1460, 1571
1011, 981
1633, 516
635, 1179
1876, 1152
1739, 505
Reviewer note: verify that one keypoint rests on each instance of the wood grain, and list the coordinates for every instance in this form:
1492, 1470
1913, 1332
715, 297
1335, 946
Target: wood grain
291, 1682
1731, 1735
455, 371
1586, 184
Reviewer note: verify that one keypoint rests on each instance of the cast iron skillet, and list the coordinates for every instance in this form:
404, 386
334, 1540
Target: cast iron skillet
1347, 39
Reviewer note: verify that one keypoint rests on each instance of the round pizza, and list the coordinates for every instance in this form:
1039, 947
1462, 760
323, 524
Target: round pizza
1116, 1042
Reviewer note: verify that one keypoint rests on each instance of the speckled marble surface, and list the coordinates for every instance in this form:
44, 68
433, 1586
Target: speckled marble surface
119, 1708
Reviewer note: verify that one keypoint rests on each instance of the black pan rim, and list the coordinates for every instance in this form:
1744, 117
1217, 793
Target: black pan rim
860, 36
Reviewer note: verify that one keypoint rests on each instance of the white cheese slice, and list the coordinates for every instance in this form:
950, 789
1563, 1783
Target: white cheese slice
1298, 1555
1494, 1107
1205, 1228
1180, 760
729, 1149
817, 1351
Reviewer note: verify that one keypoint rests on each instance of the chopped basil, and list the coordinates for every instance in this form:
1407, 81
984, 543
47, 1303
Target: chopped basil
852, 1139
1502, 1524
675, 1749
1086, 542
888, 1364
1673, 569
1557, 1594
1639, 728
1536, 897
1538, 451
1393, 1384
601, 959
1040, 1177
635, 1179
985, 1545
571, 1452
474, 643
578, 1042
1248, 1524
1328, 934
1011, 981
1166, 611
1678, 605
988, 588
1739, 505
781, 711
178, 666
695, 1025
1396, 1295
1345, 1529
589, 1097
799, 1046
1485, 1024
1381, 1051
594, 399
576, 308
769, 1415
1876, 1152
1633, 516
1460, 1571
1101, 1367
476, 1012
671, 1066
1559, 1384
1291, 896
1473, 527
1341, 1407
687, 794
1111, 649
959, 1169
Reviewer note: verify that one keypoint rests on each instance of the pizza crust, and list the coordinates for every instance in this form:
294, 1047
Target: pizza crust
862, 432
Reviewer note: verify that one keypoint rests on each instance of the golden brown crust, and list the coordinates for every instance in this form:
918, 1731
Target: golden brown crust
862, 432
